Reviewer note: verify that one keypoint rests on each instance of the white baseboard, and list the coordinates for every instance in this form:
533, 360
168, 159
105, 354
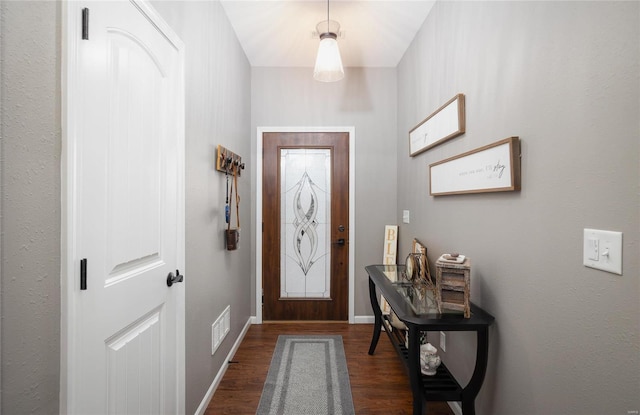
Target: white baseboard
356, 320
216, 381
455, 407
364, 319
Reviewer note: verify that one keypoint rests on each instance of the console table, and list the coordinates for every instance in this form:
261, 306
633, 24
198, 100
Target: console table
414, 304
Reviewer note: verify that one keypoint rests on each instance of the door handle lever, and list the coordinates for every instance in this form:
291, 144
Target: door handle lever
172, 279
339, 241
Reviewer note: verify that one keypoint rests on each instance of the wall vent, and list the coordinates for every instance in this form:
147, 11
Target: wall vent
220, 328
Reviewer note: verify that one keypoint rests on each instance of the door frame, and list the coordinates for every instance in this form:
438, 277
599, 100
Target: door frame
352, 208
69, 266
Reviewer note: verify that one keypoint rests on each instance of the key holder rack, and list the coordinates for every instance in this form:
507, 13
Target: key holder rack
226, 160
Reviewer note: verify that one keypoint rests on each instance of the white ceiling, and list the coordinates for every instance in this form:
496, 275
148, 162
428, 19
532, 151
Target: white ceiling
374, 33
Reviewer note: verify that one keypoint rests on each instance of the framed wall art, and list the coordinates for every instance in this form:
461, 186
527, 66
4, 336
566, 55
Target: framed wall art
492, 168
446, 122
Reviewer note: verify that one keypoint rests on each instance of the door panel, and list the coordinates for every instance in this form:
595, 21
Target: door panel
138, 389
127, 347
305, 213
305, 224
134, 175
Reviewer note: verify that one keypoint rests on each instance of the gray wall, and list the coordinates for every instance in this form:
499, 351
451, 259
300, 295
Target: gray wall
565, 78
562, 76
30, 164
366, 99
218, 112
218, 83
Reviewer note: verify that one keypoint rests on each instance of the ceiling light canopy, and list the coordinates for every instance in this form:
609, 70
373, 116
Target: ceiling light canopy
328, 62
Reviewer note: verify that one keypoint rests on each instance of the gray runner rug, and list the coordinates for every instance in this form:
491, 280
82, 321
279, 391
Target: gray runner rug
307, 375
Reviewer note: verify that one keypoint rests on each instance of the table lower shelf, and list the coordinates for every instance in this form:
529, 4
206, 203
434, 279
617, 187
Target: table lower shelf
440, 387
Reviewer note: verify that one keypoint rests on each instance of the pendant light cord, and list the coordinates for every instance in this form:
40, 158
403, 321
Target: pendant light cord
328, 16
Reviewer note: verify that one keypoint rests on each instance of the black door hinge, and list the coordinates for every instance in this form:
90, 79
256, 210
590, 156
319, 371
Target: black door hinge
85, 24
83, 274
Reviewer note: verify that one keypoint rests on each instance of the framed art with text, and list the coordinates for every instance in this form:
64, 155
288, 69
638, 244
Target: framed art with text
446, 122
492, 168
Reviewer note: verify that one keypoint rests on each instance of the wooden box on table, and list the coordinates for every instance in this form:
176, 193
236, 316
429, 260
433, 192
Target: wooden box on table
453, 286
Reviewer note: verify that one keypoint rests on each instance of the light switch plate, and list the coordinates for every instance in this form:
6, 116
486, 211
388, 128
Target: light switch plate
603, 250
405, 216
592, 249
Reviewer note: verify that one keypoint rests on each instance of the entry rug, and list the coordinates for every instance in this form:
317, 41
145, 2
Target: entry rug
308, 375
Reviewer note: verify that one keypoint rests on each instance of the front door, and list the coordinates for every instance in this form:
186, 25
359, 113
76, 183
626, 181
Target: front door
306, 226
125, 210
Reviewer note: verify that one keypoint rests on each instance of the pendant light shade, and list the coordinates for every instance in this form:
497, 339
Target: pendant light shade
328, 62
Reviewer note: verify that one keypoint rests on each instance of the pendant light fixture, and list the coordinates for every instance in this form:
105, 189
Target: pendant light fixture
328, 62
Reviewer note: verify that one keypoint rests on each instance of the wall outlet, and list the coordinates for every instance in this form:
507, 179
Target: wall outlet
443, 341
220, 328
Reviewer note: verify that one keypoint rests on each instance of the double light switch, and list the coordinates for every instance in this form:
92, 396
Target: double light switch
603, 250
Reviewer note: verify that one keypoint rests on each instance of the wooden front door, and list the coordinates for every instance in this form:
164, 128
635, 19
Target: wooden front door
306, 226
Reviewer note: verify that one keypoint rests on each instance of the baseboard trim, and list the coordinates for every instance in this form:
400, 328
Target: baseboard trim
356, 320
364, 319
216, 381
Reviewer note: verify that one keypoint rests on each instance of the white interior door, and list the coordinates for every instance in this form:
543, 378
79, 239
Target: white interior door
125, 212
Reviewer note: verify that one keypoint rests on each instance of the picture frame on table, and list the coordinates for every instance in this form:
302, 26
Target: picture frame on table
418, 247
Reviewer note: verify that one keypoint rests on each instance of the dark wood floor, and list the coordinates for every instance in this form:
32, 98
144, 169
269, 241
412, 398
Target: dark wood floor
379, 384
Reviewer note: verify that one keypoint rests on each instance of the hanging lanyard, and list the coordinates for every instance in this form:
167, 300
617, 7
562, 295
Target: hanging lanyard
231, 198
227, 212
235, 183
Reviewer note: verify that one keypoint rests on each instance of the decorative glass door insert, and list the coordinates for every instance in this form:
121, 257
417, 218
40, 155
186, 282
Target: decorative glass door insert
305, 212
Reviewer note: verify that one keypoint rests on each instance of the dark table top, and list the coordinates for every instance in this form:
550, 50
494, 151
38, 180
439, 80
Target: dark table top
414, 302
